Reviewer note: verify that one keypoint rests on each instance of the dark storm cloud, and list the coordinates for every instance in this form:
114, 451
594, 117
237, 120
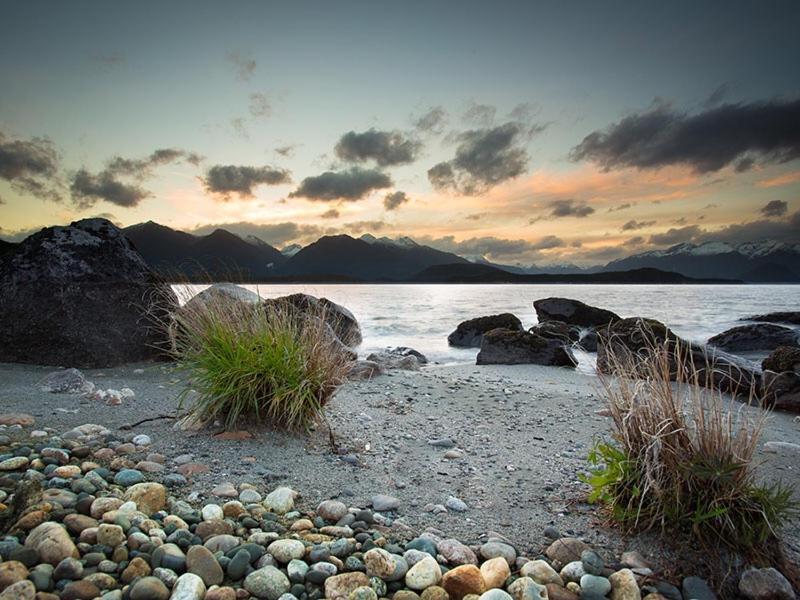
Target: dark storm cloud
783, 230
633, 224
30, 166
433, 121
676, 235
775, 208
386, 148
87, 188
225, 180
484, 158
275, 234
394, 200
718, 95
330, 214
142, 168
740, 134
245, 65
260, 105
570, 208
352, 184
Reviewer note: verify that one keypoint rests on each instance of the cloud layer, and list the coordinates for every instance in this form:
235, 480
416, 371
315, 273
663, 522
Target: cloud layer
386, 148
394, 200
350, 185
730, 134
30, 166
226, 180
484, 158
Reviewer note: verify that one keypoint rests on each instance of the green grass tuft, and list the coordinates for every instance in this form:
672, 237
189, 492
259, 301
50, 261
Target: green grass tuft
256, 363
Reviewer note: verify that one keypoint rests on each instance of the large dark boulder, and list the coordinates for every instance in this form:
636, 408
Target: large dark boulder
341, 320
572, 312
783, 359
469, 334
80, 296
757, 336
782, 390
630, 340
789, 316
557, 330
507, 347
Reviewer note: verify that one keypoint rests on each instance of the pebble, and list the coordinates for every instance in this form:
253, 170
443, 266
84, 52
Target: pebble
281, 500
384, 503
455, 504
765, 584
267, 582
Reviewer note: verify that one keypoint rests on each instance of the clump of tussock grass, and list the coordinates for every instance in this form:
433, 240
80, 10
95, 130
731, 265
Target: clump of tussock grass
678, 458
256, 362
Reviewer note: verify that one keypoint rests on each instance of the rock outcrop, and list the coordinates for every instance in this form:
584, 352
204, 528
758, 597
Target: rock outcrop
572, 312
629, 338
401, 357
557, 330
757, 336
790, 317
506, 347
783, 358
80, 296
469, 334
341, 320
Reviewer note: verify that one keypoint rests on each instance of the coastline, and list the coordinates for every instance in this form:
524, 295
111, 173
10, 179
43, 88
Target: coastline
523, 431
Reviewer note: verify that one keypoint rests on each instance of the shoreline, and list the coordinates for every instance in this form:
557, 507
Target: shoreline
509, 441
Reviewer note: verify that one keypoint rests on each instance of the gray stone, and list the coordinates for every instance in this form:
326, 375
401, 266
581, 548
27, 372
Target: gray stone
267, 582
765, 584
188, 587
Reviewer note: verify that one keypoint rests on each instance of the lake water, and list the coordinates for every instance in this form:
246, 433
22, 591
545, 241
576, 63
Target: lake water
421, 316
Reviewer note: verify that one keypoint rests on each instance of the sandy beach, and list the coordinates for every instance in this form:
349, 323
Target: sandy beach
509, 441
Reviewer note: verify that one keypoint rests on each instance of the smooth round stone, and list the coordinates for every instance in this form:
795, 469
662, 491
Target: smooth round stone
200, 561
149, 588
385, 565
423, 545
541, 572
572, 571
69, 568
297, 569
526, 588
363, 593
142, 440
696, 589
594, 584
212, 512
319, 572
592, 563
286, 550
188, 587
238, 566
169, 556
495, 594
128, 477
267, 582
494, 549
332, 510
249, 496
424, 574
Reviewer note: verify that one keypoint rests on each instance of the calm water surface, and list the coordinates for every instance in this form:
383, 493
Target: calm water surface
421, 316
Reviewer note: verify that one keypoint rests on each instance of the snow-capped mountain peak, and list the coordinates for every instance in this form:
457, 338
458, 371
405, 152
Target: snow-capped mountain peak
291, 250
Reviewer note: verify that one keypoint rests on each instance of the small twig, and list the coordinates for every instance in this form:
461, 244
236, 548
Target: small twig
132, 425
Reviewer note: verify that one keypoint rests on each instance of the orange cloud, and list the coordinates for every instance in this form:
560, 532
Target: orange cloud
780, 180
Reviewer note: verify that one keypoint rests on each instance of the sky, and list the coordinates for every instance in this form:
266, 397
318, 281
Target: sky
524, 132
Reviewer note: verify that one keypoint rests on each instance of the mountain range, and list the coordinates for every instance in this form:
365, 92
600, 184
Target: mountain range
224, 255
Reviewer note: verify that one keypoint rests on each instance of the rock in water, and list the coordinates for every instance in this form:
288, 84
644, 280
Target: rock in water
758, 336
469, 334
572, 312
783, 359
637, 336
388, 360
557, 330
791, 317
506, 347
79, 295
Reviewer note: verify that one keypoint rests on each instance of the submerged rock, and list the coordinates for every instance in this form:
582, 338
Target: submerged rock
80, 295
791, 317
572, 312
469, 334
758, 336
506, 347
